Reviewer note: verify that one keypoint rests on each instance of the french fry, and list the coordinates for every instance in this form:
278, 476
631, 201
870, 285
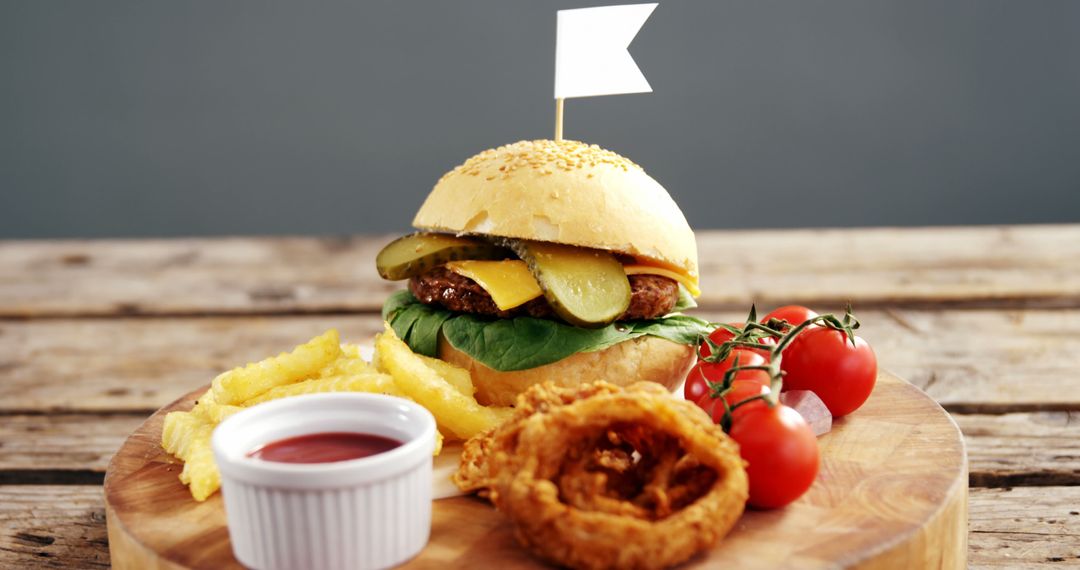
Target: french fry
214, 413
346, 366
200, 472
456, 376
324, 365
187, 436
373, 382
305, 361
177, 431
206, 398
459, 414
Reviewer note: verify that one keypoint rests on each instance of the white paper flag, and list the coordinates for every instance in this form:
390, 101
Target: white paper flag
590, 51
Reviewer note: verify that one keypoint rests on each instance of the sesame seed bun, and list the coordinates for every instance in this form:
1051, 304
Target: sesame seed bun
643, 358
565, 192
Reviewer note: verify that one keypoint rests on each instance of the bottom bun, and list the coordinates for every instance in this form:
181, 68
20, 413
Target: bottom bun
643, 358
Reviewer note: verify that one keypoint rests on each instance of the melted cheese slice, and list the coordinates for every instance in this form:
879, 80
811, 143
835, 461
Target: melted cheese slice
509, 282
688, 282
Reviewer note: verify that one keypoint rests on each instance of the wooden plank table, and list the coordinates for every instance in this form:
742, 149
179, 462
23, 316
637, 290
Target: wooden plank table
95, 335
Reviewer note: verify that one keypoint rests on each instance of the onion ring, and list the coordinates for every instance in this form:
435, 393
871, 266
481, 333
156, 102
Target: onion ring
601, 477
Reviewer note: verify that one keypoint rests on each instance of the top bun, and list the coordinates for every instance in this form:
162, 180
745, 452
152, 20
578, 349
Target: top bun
564, 192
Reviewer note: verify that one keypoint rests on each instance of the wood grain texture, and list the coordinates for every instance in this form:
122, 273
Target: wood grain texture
64, 442
1041, 448
1038, 448
981, 360
142, 364
47, 526
189, 276
973, 266
945, 266
1008, 374
891, 494
1028, 527
62, 527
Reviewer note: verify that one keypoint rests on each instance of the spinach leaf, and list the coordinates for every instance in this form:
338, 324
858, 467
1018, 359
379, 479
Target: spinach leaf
681, 329
414, 322
522, 342
395, 302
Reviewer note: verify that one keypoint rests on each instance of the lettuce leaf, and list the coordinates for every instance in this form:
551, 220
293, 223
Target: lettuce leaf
524, 342
686, 301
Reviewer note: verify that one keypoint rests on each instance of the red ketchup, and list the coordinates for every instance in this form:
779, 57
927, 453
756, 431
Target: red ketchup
324, 447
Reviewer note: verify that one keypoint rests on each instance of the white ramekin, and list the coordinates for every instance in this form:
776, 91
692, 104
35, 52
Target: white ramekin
373, 512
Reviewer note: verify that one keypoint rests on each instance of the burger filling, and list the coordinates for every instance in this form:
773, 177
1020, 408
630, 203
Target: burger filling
651, 296
520, 304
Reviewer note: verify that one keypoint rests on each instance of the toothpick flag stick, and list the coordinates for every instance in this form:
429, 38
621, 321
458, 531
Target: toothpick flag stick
558, 118
591, 56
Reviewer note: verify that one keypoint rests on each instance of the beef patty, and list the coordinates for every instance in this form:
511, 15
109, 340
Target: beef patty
651, 296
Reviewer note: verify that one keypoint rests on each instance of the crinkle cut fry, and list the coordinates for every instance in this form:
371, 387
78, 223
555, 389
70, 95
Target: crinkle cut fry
609, 531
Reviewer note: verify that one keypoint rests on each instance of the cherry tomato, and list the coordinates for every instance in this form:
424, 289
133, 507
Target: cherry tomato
697, 387
824, 361
781, 454
793, 314
740, 390
722, 335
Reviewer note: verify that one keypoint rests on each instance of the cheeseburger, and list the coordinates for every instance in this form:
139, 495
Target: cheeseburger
548, 261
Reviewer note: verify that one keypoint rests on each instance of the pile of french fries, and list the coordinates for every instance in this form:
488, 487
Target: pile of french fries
323, 364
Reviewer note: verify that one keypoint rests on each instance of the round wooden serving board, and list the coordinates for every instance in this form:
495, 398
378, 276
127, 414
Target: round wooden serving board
892, 493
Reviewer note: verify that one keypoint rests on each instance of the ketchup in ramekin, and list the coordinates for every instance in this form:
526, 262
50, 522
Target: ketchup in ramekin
327, 447
298, 493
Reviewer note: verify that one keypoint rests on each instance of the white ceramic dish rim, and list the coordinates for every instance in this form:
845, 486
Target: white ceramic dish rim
355, 408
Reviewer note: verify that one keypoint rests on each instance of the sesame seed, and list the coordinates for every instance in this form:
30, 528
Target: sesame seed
544, 156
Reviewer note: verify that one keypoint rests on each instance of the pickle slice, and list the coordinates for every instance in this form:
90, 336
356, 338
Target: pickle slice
585, 287
416, 253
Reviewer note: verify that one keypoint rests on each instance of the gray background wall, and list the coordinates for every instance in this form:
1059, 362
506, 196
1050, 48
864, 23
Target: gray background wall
136, 117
